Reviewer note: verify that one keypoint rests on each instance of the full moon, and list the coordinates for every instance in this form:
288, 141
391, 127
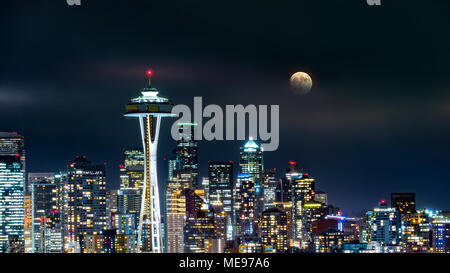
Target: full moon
301, 83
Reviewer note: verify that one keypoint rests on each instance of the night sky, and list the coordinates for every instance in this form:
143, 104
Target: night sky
376, 121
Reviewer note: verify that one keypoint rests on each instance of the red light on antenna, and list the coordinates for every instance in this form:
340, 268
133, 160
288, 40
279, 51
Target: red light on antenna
292, 162
149, 72
383, 201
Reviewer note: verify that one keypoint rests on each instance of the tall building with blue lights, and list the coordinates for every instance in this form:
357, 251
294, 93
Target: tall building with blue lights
12, 186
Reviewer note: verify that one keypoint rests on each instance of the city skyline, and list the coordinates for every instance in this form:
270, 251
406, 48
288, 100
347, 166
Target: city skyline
375, 121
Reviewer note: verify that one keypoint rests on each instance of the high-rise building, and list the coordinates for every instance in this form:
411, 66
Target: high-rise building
176, 209
132, 170
270, 183
221, 183
249, 195
12, 187
274, 227
441, 232
205, 186
149, 109
251, 162
85, 209
45, 193
416, 232
404, 202
383, 225
302, 193
245, 205
187, 150
27, 222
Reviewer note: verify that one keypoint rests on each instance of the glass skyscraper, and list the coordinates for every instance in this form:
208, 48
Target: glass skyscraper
12, 186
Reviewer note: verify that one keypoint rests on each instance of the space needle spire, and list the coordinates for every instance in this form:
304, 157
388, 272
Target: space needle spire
150, 108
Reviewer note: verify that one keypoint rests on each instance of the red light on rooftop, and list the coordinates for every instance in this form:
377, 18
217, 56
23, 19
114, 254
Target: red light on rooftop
292, 163
383, 201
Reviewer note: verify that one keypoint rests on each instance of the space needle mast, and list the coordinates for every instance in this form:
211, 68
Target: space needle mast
150, 108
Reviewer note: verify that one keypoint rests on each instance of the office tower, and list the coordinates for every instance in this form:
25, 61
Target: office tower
85, 209
199, 226
221, 183
205, 186
302, 192
441, 232
245, 205
274, 226
174, 163
404, 202
270, 184
416, 232
383, 224
176, 209
251, 162
44, 192
27, 223
12, 186
150, 109
187, 150
132, 169
321, 197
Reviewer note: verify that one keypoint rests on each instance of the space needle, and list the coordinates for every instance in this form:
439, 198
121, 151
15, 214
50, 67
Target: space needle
150, 108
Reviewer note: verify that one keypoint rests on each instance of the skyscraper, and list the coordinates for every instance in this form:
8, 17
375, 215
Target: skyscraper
383, 224
302, 192
249, 188
12, 186
132, 170
270, 184
187, 150
150, 108
245, 205
416, 232
44, 192
85, 209
274, 227
221, 182
176, 209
